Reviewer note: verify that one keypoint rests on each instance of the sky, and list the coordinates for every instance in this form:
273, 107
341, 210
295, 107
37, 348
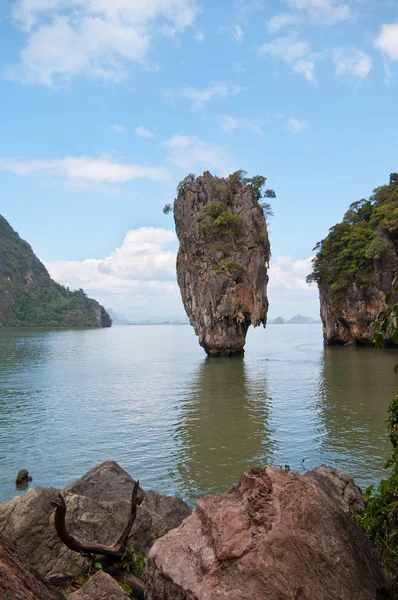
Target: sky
107, 104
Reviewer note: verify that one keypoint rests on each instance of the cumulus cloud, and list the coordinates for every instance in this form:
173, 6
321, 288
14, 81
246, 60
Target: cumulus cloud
97, 38
288, 291
387, 41
140, 276
143, 132
142, 264
199, 36
83, 169
293, 51
200, 96
193, 154
351, 63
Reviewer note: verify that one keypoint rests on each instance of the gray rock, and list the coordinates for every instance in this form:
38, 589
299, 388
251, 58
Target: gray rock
18, 581
275, 536
222, 273
340, 487
100, 586
28, 521
23, 478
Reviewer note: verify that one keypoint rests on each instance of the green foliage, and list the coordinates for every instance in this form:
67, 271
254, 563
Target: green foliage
226, 266
126, 589
133, 562
257, 184
167, 209
190, 178
30, 298
219, 220
379, 519
355, 247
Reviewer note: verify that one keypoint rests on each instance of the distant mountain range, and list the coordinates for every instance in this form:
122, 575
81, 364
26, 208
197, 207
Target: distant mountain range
297, 320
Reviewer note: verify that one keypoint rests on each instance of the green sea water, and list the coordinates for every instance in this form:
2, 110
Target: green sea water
184, 424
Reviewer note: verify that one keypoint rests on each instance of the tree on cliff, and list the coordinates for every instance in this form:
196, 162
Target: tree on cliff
355, 264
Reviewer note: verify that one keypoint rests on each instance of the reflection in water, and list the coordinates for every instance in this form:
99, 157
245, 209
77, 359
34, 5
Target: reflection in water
223, 426
353, 398
182, 424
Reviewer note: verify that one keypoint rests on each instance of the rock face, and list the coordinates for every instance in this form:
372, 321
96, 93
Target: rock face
350, 320
100, 586
276, 536
18, 581
30, 298
355, 267
222, 260
98, 506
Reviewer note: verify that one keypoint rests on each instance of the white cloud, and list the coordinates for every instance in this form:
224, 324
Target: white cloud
287, 273
295, 125
199, 37
230, 124
219, 89
193, 154
282, 20
293, 51
305, 68
116, 128
83, 169
351, 63
387, 41
139, 277
237, 33
139, 272
97, 38
288, 292
288, 48
327, 12
143, 132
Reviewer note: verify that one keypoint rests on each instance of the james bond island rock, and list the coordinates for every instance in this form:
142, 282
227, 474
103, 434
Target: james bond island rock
30, 298
275, 536
98, 507
223, 257
355, 267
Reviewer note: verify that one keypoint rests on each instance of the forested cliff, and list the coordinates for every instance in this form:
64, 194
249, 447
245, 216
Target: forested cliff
355, 266
30, 298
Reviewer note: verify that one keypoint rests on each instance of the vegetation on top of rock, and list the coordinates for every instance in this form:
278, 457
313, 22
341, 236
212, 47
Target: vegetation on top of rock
256, 183
356, 247
30, 298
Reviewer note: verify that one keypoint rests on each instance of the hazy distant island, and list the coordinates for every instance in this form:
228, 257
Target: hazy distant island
297, 320
30, 298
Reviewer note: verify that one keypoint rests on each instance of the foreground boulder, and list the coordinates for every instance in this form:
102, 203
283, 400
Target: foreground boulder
275, 536
98, 507
100, 586
18, 581
223, 258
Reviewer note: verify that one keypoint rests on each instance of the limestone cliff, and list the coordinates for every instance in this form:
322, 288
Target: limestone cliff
30, 298
223, 258
356, 265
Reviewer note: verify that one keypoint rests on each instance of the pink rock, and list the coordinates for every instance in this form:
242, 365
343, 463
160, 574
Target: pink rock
275, 536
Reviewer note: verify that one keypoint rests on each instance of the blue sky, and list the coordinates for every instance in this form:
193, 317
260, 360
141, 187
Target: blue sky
107, 104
